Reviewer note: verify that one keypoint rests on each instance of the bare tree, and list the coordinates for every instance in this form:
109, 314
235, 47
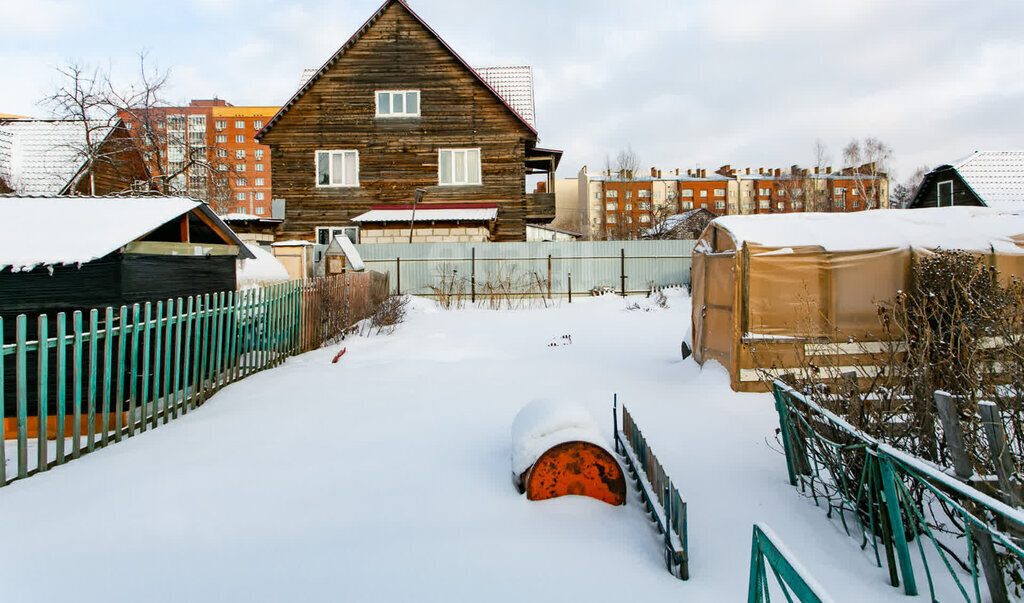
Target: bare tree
869, 160
82, 99
812, 186
795, 184
903, 194
625, 169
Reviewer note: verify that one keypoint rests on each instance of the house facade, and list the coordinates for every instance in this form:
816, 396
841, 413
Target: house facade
984, 178
394, 110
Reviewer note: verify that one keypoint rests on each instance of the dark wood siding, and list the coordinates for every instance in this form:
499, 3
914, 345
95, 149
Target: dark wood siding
397, 155
928, 194
119, 168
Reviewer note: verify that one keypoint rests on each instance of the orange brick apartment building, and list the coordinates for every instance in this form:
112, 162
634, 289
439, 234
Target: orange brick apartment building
208, 151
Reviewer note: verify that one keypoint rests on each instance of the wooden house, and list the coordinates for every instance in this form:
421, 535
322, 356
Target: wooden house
55, 157
62, 254
984, 178
393, 110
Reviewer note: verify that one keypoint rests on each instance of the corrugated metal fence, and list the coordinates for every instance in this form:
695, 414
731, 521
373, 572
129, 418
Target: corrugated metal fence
633, 266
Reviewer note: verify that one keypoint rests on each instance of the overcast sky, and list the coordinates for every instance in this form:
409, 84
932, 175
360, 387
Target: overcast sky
684, 83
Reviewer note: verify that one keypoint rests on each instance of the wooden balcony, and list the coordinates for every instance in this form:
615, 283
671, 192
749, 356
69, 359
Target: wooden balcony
540, 207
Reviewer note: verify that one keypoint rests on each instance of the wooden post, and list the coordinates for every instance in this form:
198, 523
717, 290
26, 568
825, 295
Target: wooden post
995, 433
549, 276
42, 373
21, 368
964, 469
622, 270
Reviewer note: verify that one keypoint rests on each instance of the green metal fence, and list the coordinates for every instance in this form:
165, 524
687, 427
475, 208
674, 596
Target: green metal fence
789, 574
662, 499
82, 382
579, 266
902, 504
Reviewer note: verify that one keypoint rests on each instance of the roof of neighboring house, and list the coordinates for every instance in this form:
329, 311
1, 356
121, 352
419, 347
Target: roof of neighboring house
553, 229
44, 231
671, 222
41, 157
515, 85
962, 227
438, 212
11, 116
996, 177
308, 83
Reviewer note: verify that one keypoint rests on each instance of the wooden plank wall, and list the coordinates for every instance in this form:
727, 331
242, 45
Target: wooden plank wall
397, 155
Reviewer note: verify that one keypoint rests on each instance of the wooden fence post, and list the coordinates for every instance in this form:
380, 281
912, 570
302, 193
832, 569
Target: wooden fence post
62, 371
21, 384
964, 468
108, 350
995, 433
76, 428
42, 370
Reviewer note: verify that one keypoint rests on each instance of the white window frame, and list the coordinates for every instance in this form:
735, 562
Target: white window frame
330, 168
240, 138
258, 154
719, 204
257, 196
258, 167
239, 124
687, 192
257, 125
938, 193
465, 153
259, 182
260, 210
240, 196
391, 103
612, 194
719, 192
644, 194
240, 154
222, 139
333, 231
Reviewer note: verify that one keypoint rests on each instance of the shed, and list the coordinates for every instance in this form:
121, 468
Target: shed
62, 254
985, 178
342, 256
773, 290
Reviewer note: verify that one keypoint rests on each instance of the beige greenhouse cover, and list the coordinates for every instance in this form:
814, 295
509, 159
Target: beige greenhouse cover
814, 276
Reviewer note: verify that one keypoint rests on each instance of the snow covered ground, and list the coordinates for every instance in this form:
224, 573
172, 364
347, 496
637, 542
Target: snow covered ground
386, 477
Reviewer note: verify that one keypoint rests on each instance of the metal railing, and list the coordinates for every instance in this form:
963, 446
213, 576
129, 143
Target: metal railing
789, 574
660, 496
893, 497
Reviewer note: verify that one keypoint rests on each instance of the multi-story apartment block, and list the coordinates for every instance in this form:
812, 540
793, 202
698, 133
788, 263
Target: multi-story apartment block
623, 204
208, 150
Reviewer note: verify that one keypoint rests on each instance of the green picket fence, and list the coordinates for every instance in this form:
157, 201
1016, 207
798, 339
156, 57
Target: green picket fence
791, 577
894, 499
82, 381
662, 499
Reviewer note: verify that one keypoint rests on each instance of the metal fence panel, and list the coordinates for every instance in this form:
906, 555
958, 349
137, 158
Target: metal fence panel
414, 268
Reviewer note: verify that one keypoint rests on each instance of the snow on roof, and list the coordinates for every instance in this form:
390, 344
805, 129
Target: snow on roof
515, 85
997, 177
462, 212
291, 243
970, 228
45, 231
41, 157
263, 268
353, 260
239, 217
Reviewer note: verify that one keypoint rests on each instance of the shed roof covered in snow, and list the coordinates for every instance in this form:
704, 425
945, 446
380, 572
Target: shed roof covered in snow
47, 231
441, 212
969, 228
41, 157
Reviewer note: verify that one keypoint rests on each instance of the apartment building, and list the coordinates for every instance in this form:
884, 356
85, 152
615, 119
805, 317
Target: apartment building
623, 204
208, 150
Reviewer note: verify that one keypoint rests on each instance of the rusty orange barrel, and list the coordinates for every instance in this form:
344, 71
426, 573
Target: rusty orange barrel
558, 450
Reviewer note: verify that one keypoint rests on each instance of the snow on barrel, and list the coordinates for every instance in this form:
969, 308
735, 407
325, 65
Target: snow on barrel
557, 449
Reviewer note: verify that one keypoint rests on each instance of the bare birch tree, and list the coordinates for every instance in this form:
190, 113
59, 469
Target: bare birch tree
869, 160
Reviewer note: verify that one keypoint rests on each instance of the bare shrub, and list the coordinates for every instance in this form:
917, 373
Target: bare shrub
507, 290
388, 314
450, 292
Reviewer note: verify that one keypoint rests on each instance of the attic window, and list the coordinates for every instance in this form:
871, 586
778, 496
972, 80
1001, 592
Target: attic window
945, 194
398, 103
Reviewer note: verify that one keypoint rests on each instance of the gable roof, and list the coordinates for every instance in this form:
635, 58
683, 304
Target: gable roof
42, 157
996, 177
305, 87
43, 231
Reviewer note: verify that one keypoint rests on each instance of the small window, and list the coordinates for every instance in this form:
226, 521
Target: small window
780, 206
398, 103
611, 206
458, 166
220, 124
239, 167
719, 204
240, 209
645, 205
719, 192
645, 219
687, 204
240, 182
337, 168
945, 193
222, 167
222, 153
764, 192
839, 204
597, 194
703, 193
240, 154
258, 167
259, 182
257, 196
687, 192
764, 204
612, 219
324, 234
257, 125
240, 138
856, 203
240, 196
239, 123
260, 210
222, 138
258, 154
129, 125
629, 206
613, 194
629, 194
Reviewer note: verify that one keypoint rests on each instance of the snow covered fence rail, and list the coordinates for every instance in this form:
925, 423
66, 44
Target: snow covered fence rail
71, 384
659, 494
792, 576
893, 496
